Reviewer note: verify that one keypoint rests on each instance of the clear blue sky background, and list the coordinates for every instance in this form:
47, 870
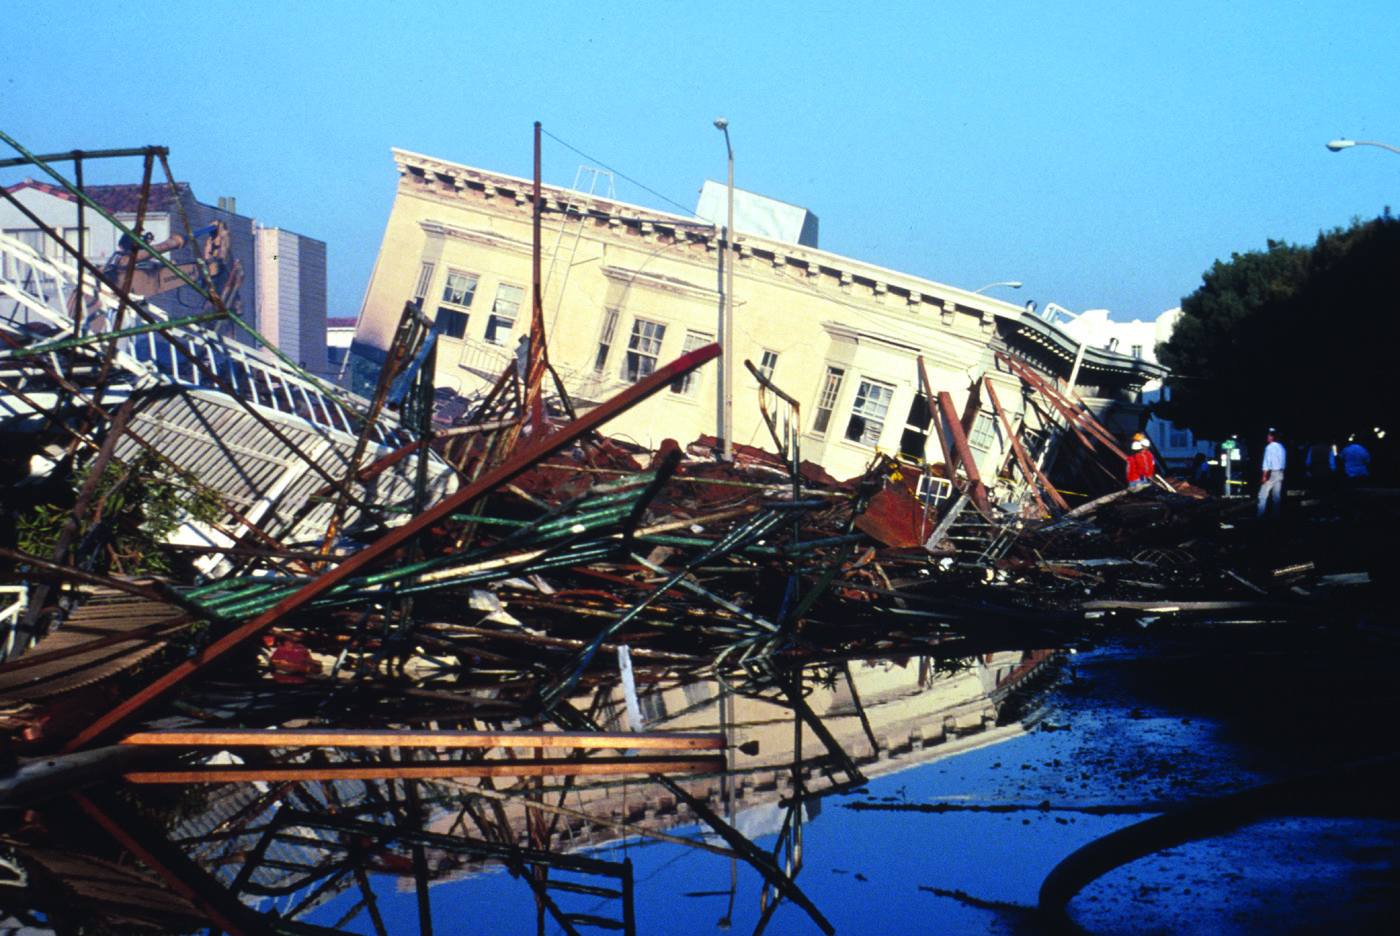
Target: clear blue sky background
1104, 153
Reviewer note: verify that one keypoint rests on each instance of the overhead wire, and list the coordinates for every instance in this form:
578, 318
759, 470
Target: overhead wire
620, 175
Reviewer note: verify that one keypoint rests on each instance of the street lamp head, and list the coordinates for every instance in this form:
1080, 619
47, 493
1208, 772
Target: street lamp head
1337, 146
1014, 284
721, 124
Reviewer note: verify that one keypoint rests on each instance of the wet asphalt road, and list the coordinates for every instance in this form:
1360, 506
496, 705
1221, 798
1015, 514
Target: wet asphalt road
1138, 726
1180, 715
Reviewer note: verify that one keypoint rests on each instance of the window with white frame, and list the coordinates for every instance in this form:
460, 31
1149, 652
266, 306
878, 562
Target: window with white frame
605, 340
868, 412
686, 385
826, 402
457, 294
1137, 351
653, 706
984, 432
915, 438
643, 349
1033, 440
503, 313
33, 238
425, 280
768, 363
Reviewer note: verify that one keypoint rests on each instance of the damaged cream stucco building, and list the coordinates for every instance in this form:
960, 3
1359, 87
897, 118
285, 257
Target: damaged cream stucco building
627, 289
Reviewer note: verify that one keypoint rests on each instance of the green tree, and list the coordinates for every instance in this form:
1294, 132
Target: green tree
135, 508
1293, 337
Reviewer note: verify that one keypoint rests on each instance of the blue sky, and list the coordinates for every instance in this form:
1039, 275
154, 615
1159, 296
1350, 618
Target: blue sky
1103, 153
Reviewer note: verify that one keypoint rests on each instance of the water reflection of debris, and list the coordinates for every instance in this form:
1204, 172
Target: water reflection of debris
284, 847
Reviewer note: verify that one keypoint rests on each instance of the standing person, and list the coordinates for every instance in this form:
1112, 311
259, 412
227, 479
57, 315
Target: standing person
1140, 465
1200, 471
1271, 484
1355, 463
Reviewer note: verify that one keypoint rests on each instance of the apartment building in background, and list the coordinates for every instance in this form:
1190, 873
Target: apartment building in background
864, 350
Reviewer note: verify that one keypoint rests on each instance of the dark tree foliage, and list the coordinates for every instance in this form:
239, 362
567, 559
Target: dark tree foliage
1300, 338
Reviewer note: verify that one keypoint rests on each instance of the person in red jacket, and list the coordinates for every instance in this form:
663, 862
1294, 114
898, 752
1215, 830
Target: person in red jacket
1140, 465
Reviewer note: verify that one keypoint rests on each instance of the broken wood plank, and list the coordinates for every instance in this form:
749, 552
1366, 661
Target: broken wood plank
1029, 470
364, 737
382, 548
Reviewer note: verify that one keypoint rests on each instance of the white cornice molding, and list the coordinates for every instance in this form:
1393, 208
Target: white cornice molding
667, 284
840, 332
475, 236
931, 297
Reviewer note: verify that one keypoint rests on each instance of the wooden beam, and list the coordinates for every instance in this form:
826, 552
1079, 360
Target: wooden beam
1031, 473
976, 489
931, 404
383, 548
357, 737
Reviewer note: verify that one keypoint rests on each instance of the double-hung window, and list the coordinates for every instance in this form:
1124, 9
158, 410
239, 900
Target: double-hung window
605, 340
768, 363
457, 294
826, 402
686, 385
915, 438
643, 349
425, 279
868, 412
984, 432
503, 313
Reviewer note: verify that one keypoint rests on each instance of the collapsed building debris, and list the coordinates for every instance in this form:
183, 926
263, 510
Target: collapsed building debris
361, 615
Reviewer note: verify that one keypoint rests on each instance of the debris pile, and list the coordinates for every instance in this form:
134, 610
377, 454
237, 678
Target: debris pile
205, 544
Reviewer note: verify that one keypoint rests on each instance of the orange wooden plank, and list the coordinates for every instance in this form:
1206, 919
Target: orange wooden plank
358, 737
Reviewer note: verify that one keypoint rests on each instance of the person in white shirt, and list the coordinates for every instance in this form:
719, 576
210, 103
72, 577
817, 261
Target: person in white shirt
1271, 484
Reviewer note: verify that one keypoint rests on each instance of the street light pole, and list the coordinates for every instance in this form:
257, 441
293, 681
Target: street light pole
725, 416
1337, 146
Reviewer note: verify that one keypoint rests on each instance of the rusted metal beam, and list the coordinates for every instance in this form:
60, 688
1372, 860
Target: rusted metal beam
381, 549
83, 198
354, 737
1077, 417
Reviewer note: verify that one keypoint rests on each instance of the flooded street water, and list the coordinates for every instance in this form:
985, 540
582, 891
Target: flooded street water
957, 836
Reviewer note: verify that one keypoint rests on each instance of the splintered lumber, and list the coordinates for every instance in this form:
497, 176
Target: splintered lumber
419, 770
1029, 471
382, 548
976, 489
369, 737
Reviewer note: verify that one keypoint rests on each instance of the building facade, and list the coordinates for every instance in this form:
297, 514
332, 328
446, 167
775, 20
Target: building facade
628, 289
1139, 339
274, 280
